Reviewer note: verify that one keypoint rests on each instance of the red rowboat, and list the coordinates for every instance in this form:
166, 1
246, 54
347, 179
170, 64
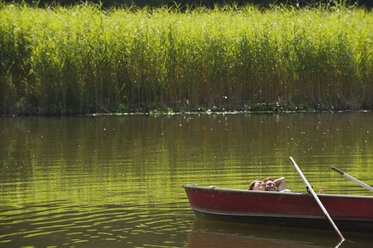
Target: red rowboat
350, 213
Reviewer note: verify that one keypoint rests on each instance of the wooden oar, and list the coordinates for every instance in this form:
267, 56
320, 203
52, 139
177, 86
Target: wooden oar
352, 178
317, 199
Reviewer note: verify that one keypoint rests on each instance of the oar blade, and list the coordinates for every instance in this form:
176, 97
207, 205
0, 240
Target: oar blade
338, 170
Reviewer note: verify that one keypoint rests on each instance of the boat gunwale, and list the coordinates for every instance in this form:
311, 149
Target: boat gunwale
297, 194
240, 214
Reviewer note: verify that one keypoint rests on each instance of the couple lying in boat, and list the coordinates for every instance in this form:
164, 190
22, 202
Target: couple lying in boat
268, 184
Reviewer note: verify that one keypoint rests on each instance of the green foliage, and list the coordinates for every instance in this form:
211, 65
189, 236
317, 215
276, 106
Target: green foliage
84, 59
185, 3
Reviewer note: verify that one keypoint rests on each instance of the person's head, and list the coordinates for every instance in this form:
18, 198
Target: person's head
269, 184
257, 185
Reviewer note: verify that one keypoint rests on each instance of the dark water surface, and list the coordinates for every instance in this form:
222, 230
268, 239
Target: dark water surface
116, 181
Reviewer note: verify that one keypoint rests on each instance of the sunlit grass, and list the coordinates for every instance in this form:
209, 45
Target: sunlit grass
84, 59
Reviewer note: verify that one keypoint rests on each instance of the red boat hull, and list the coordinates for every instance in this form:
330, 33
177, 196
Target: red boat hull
352, 213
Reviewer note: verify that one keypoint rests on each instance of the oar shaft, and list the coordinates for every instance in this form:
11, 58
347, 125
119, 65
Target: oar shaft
316, 198
352, 179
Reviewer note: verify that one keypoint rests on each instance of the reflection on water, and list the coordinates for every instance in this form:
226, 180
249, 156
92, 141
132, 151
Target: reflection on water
209, 233
61, 224
116, 181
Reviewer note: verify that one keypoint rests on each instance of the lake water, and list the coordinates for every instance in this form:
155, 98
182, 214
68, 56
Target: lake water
116, 181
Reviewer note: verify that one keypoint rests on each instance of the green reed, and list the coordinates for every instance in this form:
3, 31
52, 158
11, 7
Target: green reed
85, 59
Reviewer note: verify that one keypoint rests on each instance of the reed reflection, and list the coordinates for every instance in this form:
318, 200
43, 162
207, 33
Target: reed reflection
124, 174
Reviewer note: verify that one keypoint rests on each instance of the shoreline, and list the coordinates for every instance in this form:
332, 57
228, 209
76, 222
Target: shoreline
192, 113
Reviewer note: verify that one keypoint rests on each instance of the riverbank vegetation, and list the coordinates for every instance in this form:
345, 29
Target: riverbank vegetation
195, 3
84, 59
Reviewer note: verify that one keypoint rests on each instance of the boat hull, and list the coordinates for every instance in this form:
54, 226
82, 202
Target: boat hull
350, 213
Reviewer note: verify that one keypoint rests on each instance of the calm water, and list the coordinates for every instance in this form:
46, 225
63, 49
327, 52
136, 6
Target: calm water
116, 181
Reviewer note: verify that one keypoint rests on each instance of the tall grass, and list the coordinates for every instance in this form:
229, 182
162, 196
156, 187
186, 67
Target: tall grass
84, 59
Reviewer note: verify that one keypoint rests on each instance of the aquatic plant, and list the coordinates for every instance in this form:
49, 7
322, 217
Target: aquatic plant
84, 59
